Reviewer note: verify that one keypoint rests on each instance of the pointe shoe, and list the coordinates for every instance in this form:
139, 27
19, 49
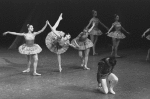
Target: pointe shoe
26, 71
99, 88
117, 56
36, 74
100, 85
147, 58
95, 54
60, 69
111, 91
86, 68
82, 65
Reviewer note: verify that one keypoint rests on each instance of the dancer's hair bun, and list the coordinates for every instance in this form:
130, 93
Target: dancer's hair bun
28, 25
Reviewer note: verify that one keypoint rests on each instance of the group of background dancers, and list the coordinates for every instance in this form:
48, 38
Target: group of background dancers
58, 42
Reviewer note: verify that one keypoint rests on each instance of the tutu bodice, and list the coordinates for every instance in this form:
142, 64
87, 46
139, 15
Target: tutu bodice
29, 42
82, 36
96, 21
29, 47
117, 26
95, 30
29, 39
117, 33
83, 41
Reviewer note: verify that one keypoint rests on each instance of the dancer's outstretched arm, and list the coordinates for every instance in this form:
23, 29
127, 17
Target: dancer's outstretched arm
76, 43
13, 33
125, 30
57, 22
146, 32
110, 28
103, 25
91, 27
36, 33
89, 23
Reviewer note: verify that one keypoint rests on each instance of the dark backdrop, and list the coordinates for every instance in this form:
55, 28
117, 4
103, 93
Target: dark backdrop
134, 16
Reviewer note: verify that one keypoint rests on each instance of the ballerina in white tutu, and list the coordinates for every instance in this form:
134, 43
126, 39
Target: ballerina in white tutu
148, 38
116, 35
83, 44
57, 42
95, 32
30, 49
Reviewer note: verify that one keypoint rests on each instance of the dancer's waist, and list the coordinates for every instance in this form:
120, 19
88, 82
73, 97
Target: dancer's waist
30, 42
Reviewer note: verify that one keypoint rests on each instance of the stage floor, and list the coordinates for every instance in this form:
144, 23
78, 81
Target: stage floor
74, 82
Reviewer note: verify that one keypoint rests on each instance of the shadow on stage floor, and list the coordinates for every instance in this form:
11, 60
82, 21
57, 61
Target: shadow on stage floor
74, 82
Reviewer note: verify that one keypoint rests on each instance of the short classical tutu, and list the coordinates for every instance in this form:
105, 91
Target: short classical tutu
82, 45
148, 37
96, 32
35, 49
116, 34
55, 44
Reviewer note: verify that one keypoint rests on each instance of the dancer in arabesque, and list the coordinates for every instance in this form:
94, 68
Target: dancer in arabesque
57, 41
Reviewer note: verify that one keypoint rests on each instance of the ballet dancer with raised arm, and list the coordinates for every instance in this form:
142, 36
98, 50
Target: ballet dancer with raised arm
57, 42
148, 38
116, 35
83, 45
95, 32
30, 49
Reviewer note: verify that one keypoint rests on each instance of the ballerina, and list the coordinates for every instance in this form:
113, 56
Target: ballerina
116, 35
30, 49
57, 42
104, 75
148, 37
83, 44
95, 32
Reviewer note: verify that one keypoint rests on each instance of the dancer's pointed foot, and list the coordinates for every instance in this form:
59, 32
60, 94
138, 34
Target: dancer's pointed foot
72, 45
111, 91
99, 85
36, 74
82, 65
147, 59
86, 68
26, 71
99, 88
117, 56
60, 69
95, 54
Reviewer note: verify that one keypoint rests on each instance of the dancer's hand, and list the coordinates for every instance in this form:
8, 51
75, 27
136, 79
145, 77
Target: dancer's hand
60, 17
128, 32
71, 45
107, 33
78, 46
107, 28
143, 35
47, 22
5, 33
